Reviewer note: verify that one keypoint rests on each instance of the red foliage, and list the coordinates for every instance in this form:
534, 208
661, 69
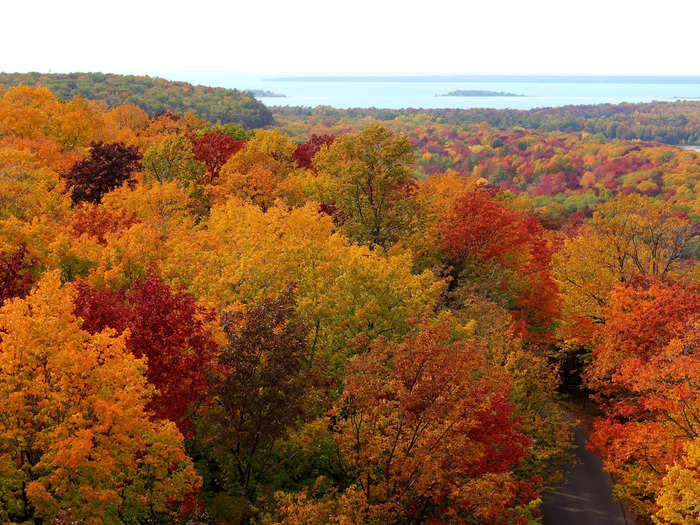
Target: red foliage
646, 375
107, 167
420, 417
642, 318
166, 327
97, 222
481, 229
499, 434
15, 274
214, 149
305, 152
552, 183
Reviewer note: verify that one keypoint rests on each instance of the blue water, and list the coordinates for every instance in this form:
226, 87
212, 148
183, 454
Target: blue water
422, 94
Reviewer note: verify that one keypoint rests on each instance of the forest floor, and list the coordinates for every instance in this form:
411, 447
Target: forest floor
585, 496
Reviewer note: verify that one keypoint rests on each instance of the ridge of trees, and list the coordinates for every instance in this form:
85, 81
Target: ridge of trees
152, 94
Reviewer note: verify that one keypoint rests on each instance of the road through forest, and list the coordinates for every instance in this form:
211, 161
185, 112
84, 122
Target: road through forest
584, 497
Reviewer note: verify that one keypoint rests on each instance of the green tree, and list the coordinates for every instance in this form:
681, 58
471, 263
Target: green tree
173, 159
369, 180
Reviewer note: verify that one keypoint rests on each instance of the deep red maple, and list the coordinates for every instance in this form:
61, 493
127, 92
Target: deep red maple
165, 326
15, 273
214, 149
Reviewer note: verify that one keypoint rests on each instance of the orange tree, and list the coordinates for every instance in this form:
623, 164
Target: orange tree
76, 439
645, 372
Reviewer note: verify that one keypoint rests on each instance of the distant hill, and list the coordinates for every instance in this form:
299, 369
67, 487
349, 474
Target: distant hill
153, 94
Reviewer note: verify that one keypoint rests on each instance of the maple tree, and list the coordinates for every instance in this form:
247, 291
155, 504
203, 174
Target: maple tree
483, 239
107, 167
214, 149
421, 433
306, 151
76, 439
173, 159
646, 374
677, 500
28, 188
166, 327
15, 273
627, 237
97, 221
27, 112
259, 169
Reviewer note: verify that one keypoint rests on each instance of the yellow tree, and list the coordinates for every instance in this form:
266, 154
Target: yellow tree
679, 496
242, 255
27, 188
27, 112
256, 172
173, 159
628, 236
76, 440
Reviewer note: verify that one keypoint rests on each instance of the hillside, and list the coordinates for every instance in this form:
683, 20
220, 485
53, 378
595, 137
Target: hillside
152, 94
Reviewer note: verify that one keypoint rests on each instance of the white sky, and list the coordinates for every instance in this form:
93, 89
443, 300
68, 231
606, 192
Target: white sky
351, 36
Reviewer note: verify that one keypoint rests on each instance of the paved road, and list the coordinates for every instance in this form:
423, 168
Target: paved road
585, 495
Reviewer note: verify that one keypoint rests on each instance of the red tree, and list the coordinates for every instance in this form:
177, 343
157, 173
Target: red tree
165, 326
96, 222
305, 151
646, 374
15, 274
107, 167
425, 429
482, 231
214, 149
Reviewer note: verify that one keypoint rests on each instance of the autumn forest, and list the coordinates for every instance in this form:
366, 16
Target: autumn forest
214, 312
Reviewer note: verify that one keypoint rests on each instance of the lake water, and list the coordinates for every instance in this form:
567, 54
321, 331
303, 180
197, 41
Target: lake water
422, 94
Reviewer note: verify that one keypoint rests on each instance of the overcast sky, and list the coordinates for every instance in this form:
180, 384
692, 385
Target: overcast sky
352, 36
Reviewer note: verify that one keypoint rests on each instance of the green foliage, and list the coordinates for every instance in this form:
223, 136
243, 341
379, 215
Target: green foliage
369, 182
152, 94
236, 132
173, 159
73, 266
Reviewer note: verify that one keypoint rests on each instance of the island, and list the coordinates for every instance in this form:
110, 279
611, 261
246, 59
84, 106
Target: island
478, 93
257, 93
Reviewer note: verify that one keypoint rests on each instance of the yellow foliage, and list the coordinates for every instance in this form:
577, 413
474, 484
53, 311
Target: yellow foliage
27, 189
679, 499
75, 437
242, 255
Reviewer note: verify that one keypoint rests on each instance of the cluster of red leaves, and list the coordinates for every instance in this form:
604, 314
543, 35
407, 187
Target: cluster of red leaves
107, 167
646, 375
15, 274
214, 149
305, 152
420, 417
642, 318
166, 327
482, 229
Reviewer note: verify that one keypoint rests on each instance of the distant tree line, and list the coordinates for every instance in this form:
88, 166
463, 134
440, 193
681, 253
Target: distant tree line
668, 122
153, 95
